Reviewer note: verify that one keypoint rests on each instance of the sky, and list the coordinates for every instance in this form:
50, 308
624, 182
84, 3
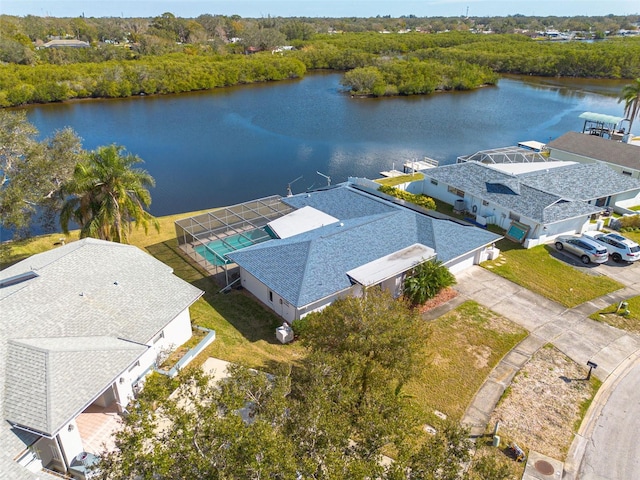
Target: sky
315, 8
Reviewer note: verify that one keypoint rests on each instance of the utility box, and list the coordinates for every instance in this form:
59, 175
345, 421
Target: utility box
284, 333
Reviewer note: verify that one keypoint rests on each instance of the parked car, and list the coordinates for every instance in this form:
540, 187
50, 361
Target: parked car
620, 248
587, 249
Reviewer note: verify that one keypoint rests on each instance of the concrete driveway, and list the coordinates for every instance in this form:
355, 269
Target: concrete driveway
569, 329
616, 352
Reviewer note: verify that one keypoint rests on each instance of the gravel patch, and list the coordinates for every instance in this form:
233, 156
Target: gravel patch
542, 406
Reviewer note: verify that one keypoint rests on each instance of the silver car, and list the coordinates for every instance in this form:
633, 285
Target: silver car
587, 249
620, 248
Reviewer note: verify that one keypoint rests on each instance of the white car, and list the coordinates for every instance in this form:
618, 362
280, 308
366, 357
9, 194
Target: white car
620, 248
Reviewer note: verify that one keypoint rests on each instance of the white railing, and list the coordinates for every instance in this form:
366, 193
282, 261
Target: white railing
191, 354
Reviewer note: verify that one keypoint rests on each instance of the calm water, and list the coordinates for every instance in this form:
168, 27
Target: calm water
226, 146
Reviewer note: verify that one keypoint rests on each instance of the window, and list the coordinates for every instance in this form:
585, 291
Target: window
455, 191
270, 296
485, 203
434, 181
624, 172
514, 216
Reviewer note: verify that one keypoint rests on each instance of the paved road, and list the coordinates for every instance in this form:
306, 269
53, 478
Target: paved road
615, 351
614, 450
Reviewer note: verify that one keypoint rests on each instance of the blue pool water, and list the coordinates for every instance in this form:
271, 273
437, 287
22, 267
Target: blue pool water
214, 252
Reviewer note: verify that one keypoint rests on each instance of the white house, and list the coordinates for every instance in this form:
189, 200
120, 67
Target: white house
340, 240
533, 202
80, 326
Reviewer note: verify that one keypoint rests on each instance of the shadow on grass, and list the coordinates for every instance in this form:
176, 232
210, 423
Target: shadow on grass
238, 308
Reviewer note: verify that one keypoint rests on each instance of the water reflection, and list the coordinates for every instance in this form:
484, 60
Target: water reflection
208, 149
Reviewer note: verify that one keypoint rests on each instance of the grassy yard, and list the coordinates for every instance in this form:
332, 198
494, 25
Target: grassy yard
463, 347
629, 322
393, 181
537, 270
245, 330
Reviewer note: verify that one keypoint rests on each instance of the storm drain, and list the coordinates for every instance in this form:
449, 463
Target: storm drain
544, 467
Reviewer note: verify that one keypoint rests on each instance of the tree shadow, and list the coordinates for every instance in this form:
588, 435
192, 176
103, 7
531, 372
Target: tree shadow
238, 307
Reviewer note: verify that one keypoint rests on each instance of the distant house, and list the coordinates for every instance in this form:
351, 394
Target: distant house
66, 43
535, 201
578, 147
341, 240
80, 327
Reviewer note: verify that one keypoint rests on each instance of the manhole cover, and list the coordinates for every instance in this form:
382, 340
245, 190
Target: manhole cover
544, 467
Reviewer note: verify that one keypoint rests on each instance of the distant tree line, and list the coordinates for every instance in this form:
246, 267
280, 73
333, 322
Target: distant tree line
167, 54
174, 73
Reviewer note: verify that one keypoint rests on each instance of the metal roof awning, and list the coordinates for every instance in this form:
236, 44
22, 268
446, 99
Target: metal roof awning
391, 265
300, 221
601, 118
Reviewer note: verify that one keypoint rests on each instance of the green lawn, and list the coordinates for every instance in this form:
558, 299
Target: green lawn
245, 330
393, 181
629, 322
537, 270
463, 347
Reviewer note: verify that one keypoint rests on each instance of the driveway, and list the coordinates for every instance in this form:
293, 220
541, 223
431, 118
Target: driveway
606, 447
577, 336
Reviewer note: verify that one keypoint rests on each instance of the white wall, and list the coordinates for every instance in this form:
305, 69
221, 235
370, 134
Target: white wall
49, 453
462, 263
177, 332
70, 442
438, 192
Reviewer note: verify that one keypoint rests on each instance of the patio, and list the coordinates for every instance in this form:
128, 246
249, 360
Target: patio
97, 426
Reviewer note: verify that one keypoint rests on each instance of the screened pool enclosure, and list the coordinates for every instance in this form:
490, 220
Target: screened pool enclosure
208, 237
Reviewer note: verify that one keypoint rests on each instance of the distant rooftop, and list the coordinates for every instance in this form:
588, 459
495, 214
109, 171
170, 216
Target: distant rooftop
504, 155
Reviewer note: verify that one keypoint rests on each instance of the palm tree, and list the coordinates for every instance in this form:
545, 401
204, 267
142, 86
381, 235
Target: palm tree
631, 98
426, 281
106, 195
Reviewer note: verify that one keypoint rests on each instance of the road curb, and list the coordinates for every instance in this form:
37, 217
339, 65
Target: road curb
578, 446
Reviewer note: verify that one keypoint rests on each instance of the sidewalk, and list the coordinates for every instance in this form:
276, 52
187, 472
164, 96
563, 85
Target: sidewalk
569, 330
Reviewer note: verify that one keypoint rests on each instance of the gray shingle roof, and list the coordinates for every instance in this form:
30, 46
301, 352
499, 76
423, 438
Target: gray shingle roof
515, 192
581, 181
313, 265
89, 302
597, 148
49, 380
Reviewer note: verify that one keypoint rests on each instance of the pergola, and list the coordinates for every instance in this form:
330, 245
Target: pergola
207, 237
504, 155
607, 126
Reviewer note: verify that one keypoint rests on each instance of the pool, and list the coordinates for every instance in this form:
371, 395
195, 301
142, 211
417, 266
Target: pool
214, 252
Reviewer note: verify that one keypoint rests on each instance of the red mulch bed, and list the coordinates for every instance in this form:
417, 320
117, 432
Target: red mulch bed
443, 297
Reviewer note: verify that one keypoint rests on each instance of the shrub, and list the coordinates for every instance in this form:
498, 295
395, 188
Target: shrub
426, 281
420, 200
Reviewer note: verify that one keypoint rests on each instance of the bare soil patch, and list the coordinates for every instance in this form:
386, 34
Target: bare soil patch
542, 408
442, 297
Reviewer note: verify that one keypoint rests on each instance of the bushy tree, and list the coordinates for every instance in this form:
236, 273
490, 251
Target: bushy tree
440, 457
32, 172
426, 281
375, 335
364, 81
